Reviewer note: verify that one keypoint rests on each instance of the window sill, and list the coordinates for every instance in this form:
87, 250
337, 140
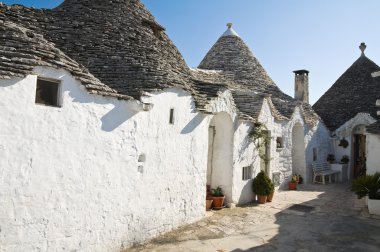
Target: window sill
279, 149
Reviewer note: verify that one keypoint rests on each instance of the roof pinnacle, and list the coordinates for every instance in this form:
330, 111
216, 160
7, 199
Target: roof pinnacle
230, 31
362, 47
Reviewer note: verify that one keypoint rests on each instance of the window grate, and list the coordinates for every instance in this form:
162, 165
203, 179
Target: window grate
247, 173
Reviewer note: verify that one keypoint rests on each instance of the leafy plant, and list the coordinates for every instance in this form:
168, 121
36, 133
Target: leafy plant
271, 187
294, 179
262, 184
330, 158
343, 142
259, 135
367, 185
344, 159
300, 179
217, 192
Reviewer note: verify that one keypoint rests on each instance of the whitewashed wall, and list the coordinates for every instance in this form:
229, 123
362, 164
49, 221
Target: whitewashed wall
245, 153
70, 177
373, 150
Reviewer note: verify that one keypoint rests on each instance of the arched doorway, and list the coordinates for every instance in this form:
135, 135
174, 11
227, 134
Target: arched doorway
220, 151
359, 151
298, 151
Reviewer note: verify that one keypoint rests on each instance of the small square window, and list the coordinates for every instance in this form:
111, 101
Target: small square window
247, 173
48, 92
171, 116
279, 143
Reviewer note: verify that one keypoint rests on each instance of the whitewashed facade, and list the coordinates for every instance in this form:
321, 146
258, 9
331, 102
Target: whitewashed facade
97, 173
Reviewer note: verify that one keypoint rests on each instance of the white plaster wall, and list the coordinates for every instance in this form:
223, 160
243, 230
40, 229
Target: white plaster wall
245, 153
373, 153
70, 179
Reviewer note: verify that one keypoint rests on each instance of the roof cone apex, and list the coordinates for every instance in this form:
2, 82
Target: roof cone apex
230, 31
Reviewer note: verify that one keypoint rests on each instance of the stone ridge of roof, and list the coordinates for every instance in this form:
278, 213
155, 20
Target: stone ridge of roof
354, 92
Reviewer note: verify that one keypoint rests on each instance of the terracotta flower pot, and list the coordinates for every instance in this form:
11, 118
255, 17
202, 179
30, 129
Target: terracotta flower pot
292, 185
218, 202
270, 197
262, 199
208, 204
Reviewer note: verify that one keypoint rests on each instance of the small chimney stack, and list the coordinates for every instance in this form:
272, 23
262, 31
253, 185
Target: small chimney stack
301, 85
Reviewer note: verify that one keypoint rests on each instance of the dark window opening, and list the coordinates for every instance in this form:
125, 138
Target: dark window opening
279, 143
247, 173
171, 117
47, 92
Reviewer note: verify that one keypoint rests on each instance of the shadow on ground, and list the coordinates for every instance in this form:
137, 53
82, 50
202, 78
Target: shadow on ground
331, 221
327, 223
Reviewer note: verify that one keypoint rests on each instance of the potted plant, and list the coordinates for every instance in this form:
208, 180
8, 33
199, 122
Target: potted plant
369, 185
271, 192
293, 183
261, 187
209, 198
343, 142
300, 179
218, 197
344, 159
209, 203
330, 158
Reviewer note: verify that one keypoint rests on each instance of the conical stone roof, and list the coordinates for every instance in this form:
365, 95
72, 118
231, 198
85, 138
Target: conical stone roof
354, 92
231, 55
118, 41
235, 61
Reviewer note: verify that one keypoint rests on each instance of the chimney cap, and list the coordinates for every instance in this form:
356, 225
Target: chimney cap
303, 71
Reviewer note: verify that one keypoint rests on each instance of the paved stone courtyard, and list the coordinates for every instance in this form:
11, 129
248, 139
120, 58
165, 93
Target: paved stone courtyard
330, 218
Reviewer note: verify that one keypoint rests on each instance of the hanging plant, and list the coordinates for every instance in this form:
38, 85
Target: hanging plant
343, 142
259, 135
345, 159
330, 158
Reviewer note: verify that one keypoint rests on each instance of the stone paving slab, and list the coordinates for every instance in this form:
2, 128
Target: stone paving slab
337, 222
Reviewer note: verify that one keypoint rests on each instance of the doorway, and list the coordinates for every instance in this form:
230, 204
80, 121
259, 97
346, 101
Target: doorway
359, 150
298, 151
220, 151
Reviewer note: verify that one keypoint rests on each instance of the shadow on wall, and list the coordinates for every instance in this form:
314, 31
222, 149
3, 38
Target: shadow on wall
116, 117
301, 228
193, 124
7, 83
246, 195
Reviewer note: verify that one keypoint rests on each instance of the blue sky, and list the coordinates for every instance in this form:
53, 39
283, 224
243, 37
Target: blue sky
321, 36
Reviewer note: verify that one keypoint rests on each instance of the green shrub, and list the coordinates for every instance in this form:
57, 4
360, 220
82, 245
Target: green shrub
262, 184
217, 192
368, 185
